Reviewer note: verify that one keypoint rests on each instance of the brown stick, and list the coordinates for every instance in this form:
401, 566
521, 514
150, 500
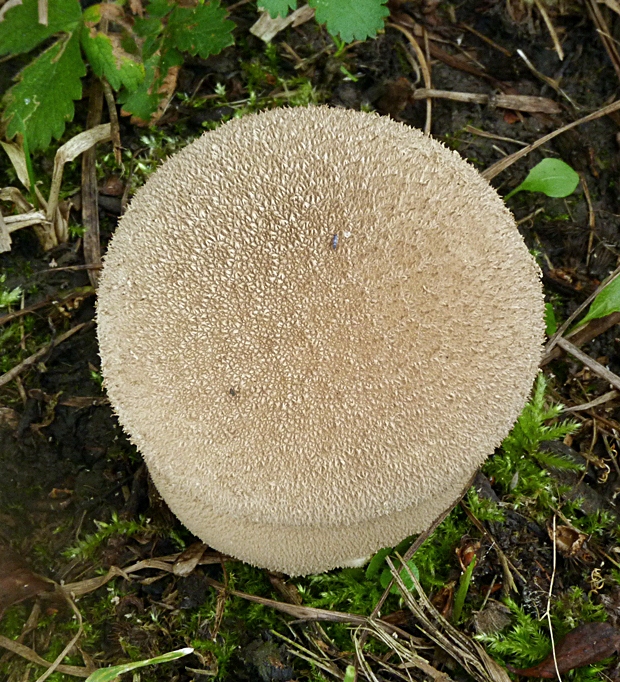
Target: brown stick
516, 102
506, 162
90, 207
28, 362
593, 329
590, 363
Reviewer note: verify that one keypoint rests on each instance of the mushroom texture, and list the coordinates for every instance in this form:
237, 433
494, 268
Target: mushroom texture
315, 324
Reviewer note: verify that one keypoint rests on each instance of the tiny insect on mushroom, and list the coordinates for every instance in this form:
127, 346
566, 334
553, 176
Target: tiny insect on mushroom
371, 374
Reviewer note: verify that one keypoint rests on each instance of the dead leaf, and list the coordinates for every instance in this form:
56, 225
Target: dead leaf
495, 617
136, 7
113, 186
467, 552
9, 418
17, 581
568, 540
266, 27
586, 644
188, 560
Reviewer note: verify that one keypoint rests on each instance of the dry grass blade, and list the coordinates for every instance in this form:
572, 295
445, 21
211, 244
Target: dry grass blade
551, 28
462, 648
57, 662
605, 34
68, 152
553, 341
502, 164
5, 237
32, 656
407, 654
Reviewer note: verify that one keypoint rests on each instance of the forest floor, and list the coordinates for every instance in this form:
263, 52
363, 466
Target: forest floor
76, 500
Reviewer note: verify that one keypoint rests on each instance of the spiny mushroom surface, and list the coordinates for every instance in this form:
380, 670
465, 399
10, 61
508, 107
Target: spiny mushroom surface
315, 324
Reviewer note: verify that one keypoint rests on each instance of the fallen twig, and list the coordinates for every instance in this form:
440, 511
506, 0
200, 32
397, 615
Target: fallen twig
516, 102
29, 361
83, 292
90, 208
560, 332
506, 162
590, 363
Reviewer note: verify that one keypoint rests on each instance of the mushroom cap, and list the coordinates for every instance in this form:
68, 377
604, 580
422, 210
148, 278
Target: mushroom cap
315, 324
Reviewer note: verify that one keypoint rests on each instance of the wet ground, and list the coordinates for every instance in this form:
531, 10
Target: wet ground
64, 461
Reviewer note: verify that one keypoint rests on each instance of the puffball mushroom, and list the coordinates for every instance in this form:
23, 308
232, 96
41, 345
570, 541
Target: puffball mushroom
315, 324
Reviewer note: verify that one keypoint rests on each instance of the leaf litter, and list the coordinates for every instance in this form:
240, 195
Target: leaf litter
65, 456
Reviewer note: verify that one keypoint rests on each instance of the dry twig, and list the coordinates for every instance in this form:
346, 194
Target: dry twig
502, 164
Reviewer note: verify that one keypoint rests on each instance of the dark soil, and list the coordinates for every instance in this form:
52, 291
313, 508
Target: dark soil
65, 462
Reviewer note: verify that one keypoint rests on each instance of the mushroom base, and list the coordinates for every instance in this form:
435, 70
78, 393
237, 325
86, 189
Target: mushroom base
302, 550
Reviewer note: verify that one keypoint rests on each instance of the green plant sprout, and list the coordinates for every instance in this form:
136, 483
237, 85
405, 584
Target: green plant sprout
110, 674
87, 547
552, 177
461, 593
349, 674
551, 323
8, 298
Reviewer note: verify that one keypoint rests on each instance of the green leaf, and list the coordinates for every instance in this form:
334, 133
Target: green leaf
351, 19
386, 576
8, 298
143, 101
377, 563
158, 8
277, 8
202, 30
109, 674
551, 324
606, 303
106, 55
43, 97
20, 31
551, 177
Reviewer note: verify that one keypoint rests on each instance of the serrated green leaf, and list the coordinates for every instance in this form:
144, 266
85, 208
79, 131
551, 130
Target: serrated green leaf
606, 303
143, 101
552, 177
202, 30
20, 31
351, 19
158, 8
277, 8
43, 97
107, 58
109, 674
